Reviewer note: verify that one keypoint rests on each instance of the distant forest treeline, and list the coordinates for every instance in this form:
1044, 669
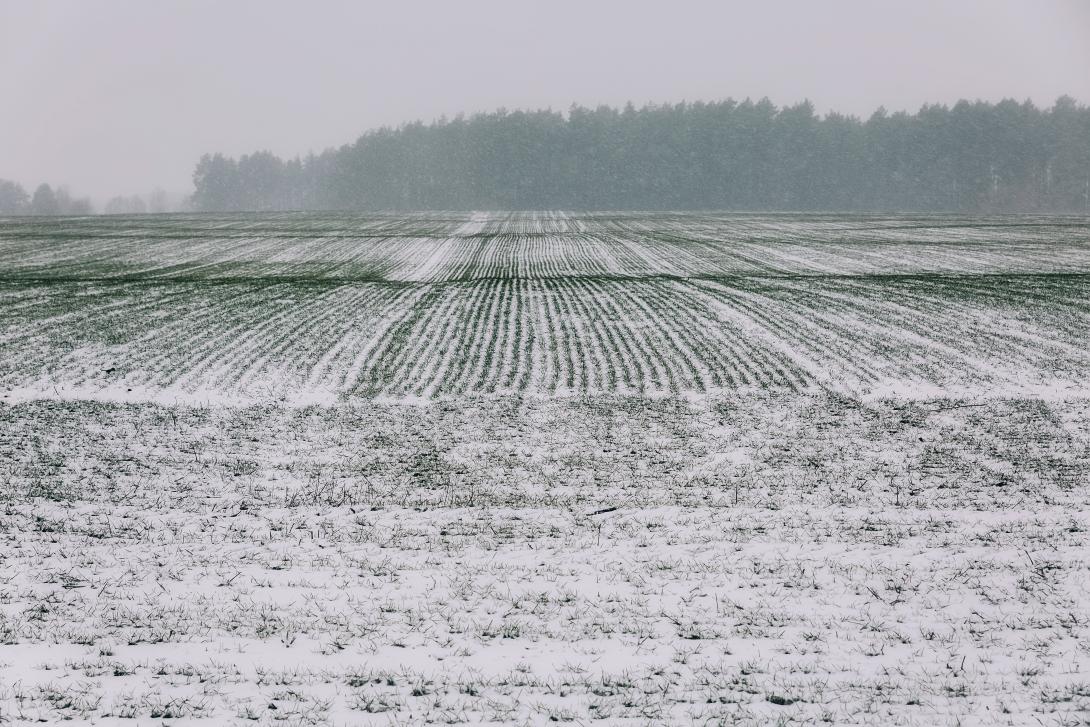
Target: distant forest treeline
46, 200
973, 156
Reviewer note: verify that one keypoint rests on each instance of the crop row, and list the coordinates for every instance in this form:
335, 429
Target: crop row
565, 335
454, 247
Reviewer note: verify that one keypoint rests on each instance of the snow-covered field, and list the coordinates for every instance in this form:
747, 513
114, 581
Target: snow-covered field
631, 468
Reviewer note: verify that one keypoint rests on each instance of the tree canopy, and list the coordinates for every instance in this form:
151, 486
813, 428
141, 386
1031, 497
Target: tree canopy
973, 156
46, 200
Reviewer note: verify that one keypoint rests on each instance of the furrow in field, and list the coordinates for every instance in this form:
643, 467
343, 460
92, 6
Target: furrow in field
403, 349
305, 308
214, 360
482, 325
438, 339
522, 356
463, 329
493, 370
542, 302
524, 353
584, 348
561, 367
734, 355
938, 314
625, 349
498, 337
422, 344
680, 336
71, 308
891, 356
432, 261
518, 339
341, 367
731, 348
897, 326
1017, 333
136, 354
642, 334
808, 348
592, 342
539, 367
363, 327
926, 348
283, 364
448, 256
165, 349
928, 345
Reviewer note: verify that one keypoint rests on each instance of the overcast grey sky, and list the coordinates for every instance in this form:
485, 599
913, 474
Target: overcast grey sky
118, 96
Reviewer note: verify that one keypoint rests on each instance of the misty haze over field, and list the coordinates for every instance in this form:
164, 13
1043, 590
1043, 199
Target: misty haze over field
593, 363
123, 98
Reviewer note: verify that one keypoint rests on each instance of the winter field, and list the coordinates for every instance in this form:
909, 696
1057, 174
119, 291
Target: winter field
297, 469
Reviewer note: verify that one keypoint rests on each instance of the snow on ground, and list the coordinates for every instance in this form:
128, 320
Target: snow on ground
763, 559
316, 480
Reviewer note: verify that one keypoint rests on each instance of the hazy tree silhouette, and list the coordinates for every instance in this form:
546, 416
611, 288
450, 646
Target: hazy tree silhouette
44, 201
13, 198
973, 156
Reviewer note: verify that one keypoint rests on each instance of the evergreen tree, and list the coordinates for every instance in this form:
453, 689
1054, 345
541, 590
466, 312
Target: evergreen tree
44, 201
13, 198
748, 155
